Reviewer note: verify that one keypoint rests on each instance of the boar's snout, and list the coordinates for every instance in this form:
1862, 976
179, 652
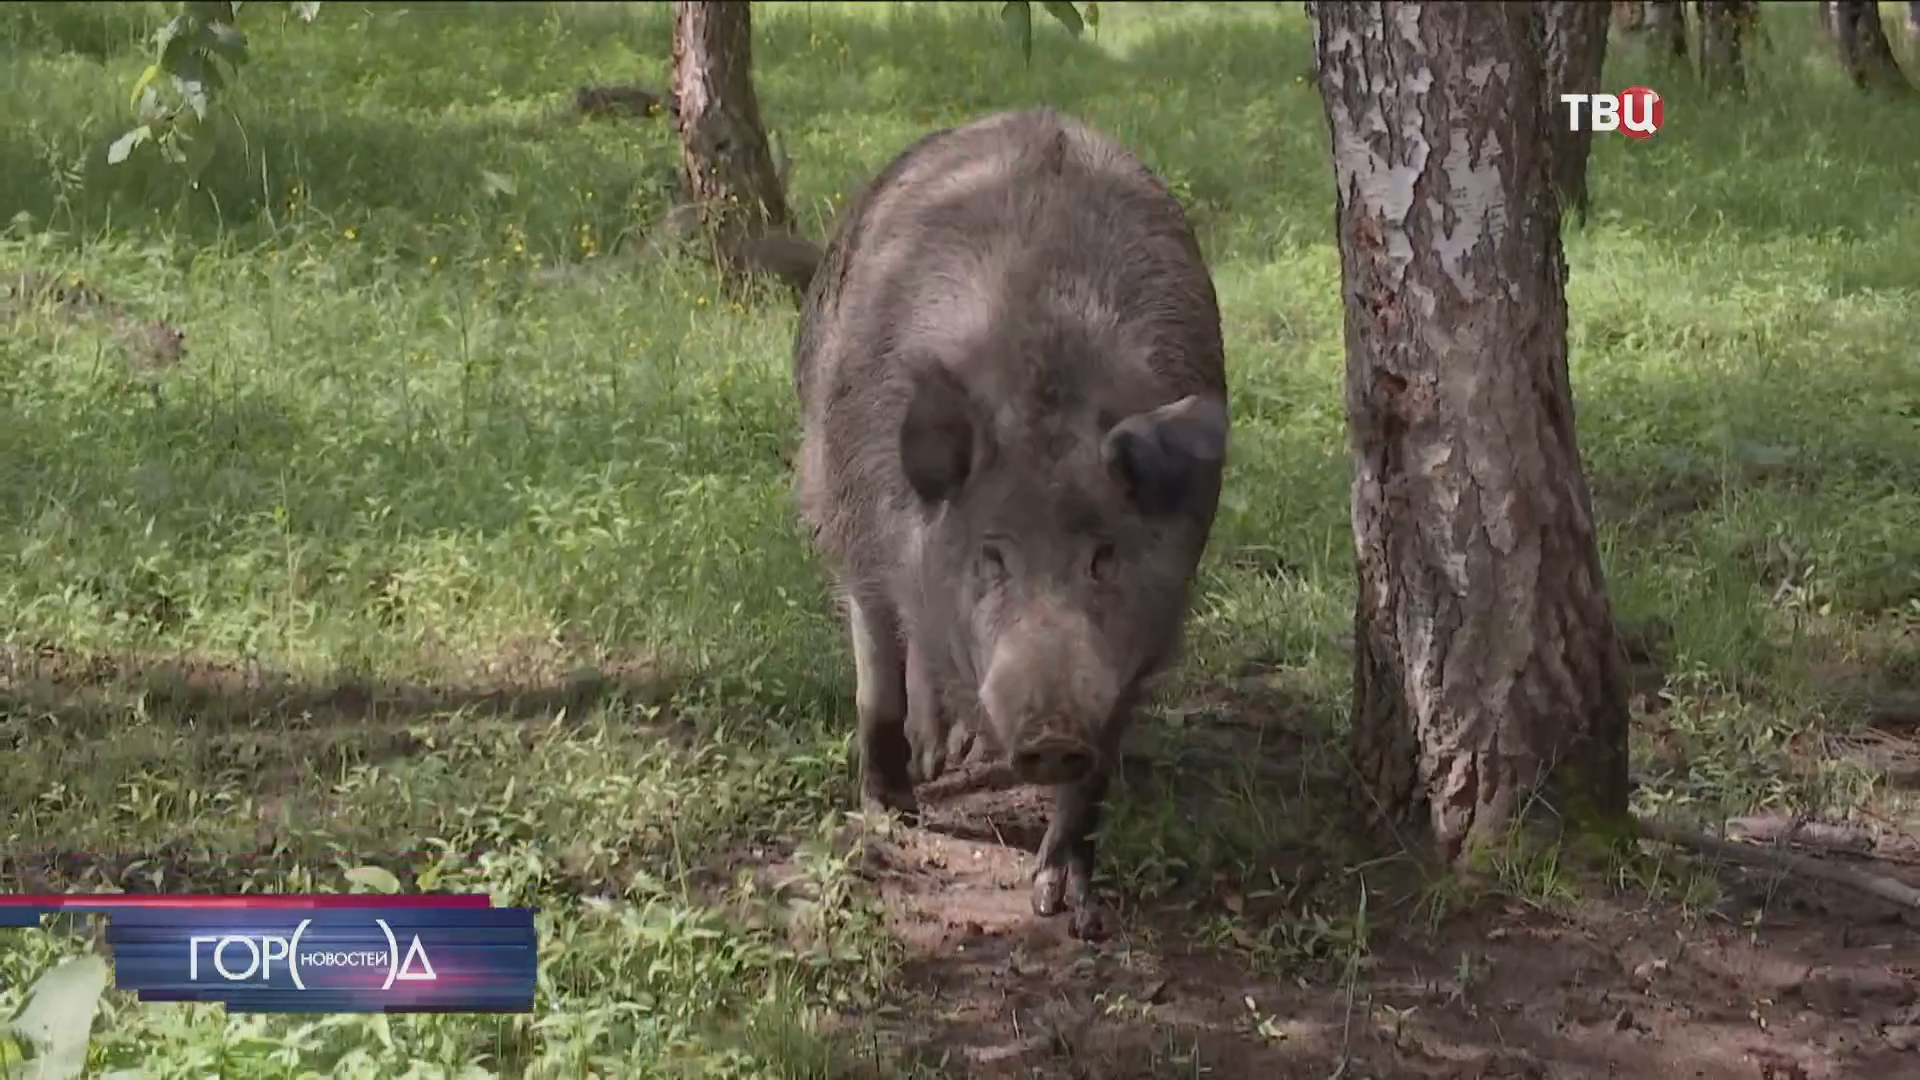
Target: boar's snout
1052, 756
1050, 694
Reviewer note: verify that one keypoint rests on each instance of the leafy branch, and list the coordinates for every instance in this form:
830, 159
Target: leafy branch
173, 96
1018, 15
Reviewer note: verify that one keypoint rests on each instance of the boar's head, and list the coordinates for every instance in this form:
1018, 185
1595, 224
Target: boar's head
1056, 548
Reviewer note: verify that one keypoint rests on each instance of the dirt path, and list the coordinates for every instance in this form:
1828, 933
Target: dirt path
1824, 987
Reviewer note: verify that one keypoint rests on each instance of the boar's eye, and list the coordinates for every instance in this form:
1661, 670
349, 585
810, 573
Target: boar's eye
1101, 568
993, 561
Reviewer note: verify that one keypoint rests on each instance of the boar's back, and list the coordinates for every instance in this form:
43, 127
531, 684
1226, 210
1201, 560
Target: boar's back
1031, 254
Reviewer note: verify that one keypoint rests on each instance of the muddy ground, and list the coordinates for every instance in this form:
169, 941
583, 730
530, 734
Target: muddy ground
1781, 979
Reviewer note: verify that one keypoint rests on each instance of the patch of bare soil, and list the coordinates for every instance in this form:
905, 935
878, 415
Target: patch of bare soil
1788, 981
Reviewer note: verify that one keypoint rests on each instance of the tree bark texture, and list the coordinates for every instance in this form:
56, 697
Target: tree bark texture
728, 166
1629, 14
1864, 48
1487, 669
1668, 19
1723, 34
1576, 53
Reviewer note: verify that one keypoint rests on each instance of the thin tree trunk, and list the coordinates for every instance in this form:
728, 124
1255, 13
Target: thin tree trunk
1576, 52
728, 167
1864, 48
1723, 33
1668, 19
1487, 669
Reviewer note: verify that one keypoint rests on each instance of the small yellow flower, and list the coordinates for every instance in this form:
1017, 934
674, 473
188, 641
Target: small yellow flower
701, 302
433, 260
350, 233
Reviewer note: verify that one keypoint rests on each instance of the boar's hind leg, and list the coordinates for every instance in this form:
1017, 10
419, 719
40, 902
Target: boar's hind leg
879, 664
1063, 871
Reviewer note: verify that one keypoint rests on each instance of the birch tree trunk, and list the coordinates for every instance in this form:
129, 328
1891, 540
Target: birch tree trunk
1487, 670
1576, 53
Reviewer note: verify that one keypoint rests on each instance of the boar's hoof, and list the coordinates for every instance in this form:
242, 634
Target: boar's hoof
1093, 922
1049, 890
877, 798
932, 760
1058, 888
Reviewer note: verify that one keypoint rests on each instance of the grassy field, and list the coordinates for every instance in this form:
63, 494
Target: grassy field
425, 559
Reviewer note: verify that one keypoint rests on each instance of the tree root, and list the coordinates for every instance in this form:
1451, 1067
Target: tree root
1775, 857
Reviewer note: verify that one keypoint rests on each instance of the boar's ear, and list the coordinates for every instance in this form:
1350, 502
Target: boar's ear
937, 436
1160, 457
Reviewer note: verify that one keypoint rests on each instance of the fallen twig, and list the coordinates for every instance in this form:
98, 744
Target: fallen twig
1775, 858
988, 1055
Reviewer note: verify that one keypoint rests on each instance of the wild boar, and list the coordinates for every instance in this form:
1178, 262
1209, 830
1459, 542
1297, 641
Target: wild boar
1014, 410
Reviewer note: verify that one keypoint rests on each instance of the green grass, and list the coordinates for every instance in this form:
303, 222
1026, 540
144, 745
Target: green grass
546, 528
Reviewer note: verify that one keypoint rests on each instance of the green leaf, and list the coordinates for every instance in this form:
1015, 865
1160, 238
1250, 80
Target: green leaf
151, 109
164, 37
209, 11
124, 145
1019, 19
228, 43
496, 184
174, 40
194, 93
146, 79
59, 1017
373, 877
1068, 17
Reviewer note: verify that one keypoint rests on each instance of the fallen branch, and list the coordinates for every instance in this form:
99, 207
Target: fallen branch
1772, 829
1774, 858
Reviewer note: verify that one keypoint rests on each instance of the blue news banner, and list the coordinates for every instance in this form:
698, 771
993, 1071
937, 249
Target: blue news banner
342, 954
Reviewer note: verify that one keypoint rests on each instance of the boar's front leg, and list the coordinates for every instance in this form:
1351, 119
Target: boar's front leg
879, 667
1063, 871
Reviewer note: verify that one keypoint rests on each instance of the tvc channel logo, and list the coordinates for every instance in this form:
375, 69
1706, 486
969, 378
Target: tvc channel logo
250, 958
1636, 112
